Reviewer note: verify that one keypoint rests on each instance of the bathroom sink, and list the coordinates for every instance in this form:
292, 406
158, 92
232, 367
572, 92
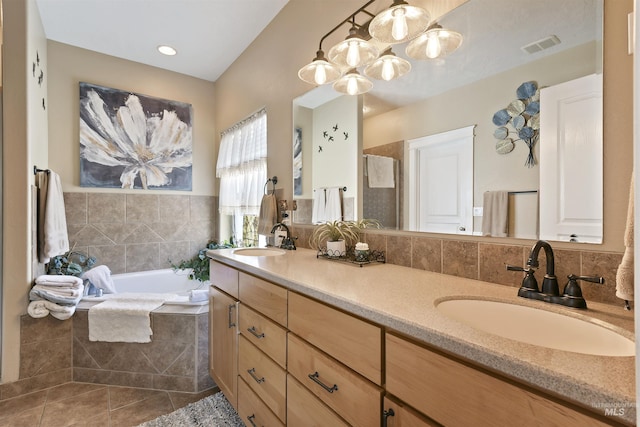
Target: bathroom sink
538, 327
259, 252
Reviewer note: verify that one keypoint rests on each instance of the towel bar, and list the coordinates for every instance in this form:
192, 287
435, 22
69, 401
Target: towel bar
36, 170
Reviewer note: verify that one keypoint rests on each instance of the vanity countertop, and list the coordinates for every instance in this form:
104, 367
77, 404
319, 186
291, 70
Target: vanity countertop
404, 299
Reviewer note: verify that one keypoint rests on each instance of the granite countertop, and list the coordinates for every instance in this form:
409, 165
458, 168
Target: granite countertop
403, 299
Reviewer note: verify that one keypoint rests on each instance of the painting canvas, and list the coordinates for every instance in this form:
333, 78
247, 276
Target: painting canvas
128, 140
297, 162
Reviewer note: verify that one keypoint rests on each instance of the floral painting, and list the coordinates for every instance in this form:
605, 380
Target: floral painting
131, 141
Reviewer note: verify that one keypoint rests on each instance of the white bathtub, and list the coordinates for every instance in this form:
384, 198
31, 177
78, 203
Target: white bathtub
165, 281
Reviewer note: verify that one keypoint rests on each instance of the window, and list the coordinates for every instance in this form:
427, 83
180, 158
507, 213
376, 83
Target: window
242, 169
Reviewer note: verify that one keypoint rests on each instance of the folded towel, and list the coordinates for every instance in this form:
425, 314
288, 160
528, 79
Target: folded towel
198, 295
380, 171
42, 308
125, 317
333, 206
53, 239
38, 293
75, 291
318, 208
495, 211
59, 280
268, 214
624, 275
100, 278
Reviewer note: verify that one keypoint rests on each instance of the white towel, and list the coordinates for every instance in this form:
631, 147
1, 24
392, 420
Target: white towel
59, 280
198, 295
495, 210
52, 293
333, 205
42, 308
268, 214
624, 275
319, 205
125, 317
380, 172
53, 239
100, 278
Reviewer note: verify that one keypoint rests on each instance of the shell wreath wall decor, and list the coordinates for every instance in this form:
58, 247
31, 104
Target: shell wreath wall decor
520, 121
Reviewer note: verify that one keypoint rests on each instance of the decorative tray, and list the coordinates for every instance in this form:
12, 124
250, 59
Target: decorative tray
350, 256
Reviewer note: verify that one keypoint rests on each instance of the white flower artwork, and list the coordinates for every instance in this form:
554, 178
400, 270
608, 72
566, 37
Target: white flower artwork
132, 141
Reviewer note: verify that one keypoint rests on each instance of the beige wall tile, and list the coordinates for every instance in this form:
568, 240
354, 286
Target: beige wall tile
142, 208
460, 258
493, 262
399, 250
106, 207
427, 254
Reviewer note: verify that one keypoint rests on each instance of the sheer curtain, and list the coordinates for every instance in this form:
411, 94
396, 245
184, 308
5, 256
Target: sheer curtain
242, 168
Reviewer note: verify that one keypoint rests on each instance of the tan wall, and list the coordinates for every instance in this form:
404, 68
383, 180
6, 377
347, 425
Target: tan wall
266, 75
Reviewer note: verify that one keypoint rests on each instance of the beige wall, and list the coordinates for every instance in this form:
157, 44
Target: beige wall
266, 75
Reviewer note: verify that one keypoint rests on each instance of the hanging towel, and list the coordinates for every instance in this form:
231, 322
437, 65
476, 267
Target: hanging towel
495, 209
624, 275
268, 214
380, 171
319, 206
42, 308
53, 239
100, 278
125, 317
333, 205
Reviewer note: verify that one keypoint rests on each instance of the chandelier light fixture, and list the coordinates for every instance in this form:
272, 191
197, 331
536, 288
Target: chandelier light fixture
397, 24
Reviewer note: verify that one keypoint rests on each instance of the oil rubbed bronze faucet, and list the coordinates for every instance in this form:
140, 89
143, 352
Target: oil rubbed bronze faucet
571, 295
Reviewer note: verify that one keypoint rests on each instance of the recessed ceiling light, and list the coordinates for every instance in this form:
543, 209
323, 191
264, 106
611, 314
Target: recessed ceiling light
166, 50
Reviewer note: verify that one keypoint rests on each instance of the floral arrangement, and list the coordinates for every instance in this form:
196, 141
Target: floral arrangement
72, 263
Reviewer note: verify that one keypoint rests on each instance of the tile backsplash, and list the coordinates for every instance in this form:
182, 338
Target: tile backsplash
138, 232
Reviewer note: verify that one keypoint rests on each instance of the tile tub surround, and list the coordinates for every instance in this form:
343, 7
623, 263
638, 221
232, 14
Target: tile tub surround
380, 292
139, 232
175, 360
486, 261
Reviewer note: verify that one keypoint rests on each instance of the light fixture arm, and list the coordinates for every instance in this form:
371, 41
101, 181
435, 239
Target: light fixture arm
351, 18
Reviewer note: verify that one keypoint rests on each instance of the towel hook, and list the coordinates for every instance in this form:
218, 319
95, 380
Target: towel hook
36, 170
274, 181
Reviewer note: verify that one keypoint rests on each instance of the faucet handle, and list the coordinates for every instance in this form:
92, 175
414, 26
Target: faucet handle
529, 283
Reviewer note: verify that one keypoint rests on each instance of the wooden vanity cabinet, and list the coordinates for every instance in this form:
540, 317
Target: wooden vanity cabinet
395, 414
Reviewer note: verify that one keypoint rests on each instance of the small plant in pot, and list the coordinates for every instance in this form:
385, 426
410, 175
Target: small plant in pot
336, 236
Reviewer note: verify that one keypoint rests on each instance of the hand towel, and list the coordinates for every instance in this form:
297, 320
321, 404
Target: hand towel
268, 214
58, 280
42, 308
100, 278
53, 239
125, 317
495, 209
319, 205
333, 206
198, 295
380, 171
624, 275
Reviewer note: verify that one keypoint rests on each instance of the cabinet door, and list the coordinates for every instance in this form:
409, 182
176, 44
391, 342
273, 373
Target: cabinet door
223, 342
252, 410
306, 410
397, 415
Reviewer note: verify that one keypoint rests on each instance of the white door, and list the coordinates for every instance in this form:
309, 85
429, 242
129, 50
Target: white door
441, 182
571, 160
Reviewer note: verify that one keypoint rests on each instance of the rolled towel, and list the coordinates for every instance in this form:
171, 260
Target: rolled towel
100, 278
58, 280
198, 295
42, 308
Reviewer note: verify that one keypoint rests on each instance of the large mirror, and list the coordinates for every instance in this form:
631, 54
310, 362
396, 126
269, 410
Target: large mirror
338, 138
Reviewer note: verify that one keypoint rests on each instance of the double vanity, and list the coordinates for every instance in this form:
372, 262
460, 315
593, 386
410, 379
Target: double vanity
298, 340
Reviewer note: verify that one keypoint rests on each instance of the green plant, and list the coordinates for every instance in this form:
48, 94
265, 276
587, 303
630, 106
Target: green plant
349, 231
199, 264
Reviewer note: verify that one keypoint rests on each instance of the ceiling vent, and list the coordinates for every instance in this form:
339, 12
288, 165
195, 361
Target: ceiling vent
542, 44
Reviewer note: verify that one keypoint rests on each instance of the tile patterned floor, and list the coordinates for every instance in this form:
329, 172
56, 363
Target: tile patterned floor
81, 404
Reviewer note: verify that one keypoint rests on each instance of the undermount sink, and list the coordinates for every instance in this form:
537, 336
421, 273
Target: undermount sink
259, 252
538, 327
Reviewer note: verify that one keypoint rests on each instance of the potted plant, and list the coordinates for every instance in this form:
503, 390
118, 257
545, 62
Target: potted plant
338, 235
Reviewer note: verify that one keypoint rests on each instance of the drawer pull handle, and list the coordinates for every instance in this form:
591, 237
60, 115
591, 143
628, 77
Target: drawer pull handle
252, 372
231, 322
315, 377
386, 415
251, 418
255, 333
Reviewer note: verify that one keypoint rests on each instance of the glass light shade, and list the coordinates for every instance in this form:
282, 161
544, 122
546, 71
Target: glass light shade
353, 52
400, 23
388, 66
319, 71
353, 83
435, 43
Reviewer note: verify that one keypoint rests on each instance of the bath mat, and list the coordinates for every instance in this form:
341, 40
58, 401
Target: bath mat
212, 411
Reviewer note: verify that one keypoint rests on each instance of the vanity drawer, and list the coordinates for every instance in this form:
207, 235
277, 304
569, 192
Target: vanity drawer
252, 410
224, 278
351, 396
354, 342
398, 415
306, 410
264, 376
264, 297
264, 334
452, 393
